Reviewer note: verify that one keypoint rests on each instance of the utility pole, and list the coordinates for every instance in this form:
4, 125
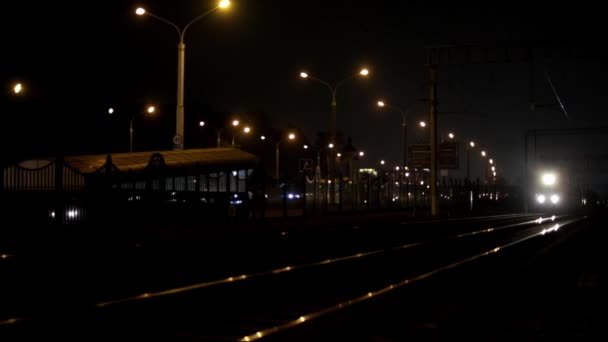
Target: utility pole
433, 127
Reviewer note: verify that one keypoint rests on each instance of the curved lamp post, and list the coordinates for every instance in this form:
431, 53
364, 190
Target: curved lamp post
178, 139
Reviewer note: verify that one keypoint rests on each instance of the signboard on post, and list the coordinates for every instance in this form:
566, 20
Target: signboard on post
449, 157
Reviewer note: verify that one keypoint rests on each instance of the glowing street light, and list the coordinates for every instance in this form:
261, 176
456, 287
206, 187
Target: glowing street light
149, 110
471, 145
110, 111
291, 136
201, 123
339, 155
483, 153
247, 129
491, 161
382, 162
17, 88
303, 75
381, 104
451, 135
422, 124
235, 123
178, 139
330, 145
361, 154
364, 72
263, 137
306, 147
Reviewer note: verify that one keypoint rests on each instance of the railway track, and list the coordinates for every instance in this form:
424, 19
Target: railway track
265, 303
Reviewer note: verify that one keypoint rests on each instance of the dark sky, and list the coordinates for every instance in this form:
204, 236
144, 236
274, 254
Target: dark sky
76, 60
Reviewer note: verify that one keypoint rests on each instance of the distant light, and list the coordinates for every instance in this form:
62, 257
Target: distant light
493, 168
483, 153
549, 179
553, 218
224, 4
151, 109
72, 213
407, 174
381, 104
451, 135
291, 136
361, 154
235, 123
339, 155
303, 75
263, 137
110, 110
364, 72
541, 199
491, 161
140, 11
397, 168
554, 199
306, 147
234, 173
472, 144
17, 88
290, 196
382, 162
52, 214
247, 129
422, 124
236, 196
201, 123
330, 145
494, 173
421, 182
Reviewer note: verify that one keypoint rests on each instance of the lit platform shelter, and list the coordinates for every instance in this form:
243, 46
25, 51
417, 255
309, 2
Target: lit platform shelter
171, 185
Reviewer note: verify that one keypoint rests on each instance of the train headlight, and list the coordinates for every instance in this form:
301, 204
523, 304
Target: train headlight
541, 199
554, 199
548, 179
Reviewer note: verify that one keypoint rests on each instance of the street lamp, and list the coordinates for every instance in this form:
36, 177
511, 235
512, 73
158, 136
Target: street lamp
17, 88
246, 130
110, 111
290, 137
334, 90
383, 104
469, 147
149, 110
483, 155
422, 124
178, 139
201, 123
234, 123
451, 135
382, 162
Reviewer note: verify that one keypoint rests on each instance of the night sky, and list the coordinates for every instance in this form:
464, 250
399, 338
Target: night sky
76, 61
